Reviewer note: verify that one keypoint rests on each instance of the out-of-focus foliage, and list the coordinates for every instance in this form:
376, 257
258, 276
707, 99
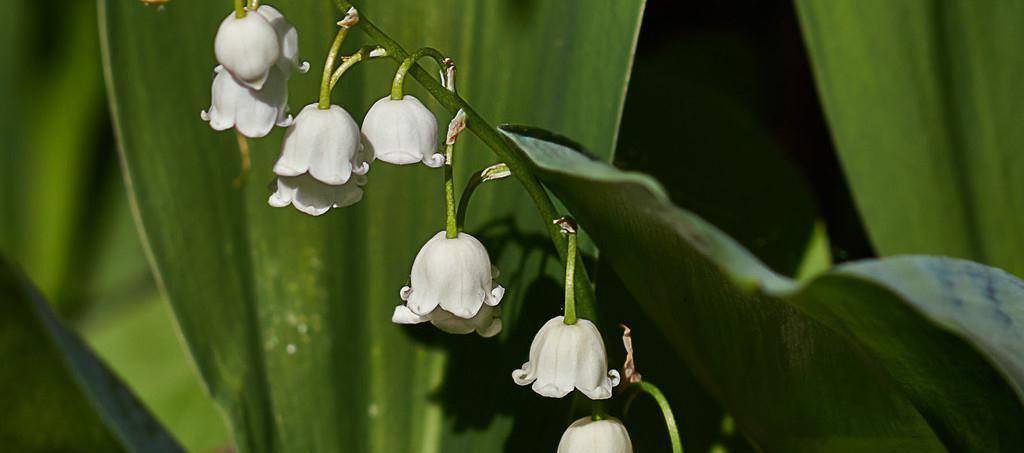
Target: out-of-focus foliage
65, 219
922, 101
58, 395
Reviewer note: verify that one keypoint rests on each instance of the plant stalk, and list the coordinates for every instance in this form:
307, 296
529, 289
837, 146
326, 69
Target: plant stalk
666, 411
325, 80
504, 149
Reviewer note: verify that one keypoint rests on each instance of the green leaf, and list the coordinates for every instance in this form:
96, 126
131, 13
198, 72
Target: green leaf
895, 354
59, 396
919, 96
288, 316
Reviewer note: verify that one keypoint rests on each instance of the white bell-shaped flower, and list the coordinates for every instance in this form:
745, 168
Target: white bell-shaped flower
314, 197
565, 357
247, 47
325, 144
486, 323
253, 112
453, 274
287, 37
402, 132
587, 435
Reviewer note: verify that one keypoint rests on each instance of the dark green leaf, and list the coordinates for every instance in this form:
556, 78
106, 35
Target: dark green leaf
58, 396
921, 100
897, 354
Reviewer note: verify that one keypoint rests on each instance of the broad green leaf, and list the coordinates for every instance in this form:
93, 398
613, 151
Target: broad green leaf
902, 354
920, 98
288, 316
691, 127
58, 395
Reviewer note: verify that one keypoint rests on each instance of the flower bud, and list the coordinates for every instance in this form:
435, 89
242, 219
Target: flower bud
564, 357
247, 47
587, 435
402, 132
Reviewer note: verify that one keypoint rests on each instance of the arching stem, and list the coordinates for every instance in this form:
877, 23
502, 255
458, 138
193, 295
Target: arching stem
408, 62
492, 173
666, 410
363, 54
502, 147
239, 9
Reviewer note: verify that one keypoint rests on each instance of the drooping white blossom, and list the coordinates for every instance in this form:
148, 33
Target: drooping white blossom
587, 435
287, 38
253, 112
486, 323
565, 357
247, 47
323, 143
314, 197
402, 132
454, 275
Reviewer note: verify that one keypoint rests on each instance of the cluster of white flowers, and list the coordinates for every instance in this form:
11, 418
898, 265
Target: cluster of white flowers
325, 157
256, 54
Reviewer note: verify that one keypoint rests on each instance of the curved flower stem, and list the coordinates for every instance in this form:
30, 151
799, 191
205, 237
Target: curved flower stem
325, 81
568, 226
666, 410
492, 173
396, 85
502, 147
239, 9
364, 53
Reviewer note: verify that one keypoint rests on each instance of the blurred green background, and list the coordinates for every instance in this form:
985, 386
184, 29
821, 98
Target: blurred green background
65, 217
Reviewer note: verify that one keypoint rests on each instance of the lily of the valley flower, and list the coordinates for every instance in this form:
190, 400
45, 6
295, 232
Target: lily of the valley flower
323, 143
486, 323
453, 274
587, 435
565, 357
402, 132
250, 107
248, 47
322, 163
253, 112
